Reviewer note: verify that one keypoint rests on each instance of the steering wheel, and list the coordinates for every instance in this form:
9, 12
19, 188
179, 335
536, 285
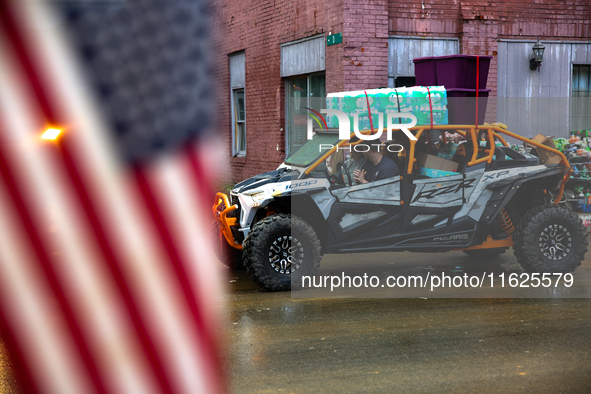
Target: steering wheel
345, 170
332, 178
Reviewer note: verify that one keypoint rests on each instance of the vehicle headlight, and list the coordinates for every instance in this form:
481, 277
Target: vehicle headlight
256, 197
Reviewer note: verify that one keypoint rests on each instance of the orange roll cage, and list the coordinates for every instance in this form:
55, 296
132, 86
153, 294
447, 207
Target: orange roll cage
469, 131
221, 207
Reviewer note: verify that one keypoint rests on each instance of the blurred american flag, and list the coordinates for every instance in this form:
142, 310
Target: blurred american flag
107, 280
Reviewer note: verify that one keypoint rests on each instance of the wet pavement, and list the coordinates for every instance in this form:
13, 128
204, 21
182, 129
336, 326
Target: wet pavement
278, 343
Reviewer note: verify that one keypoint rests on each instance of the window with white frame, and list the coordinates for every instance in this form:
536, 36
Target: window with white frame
238, 107
239, 121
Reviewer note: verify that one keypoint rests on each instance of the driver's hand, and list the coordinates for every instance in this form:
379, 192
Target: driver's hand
359, 176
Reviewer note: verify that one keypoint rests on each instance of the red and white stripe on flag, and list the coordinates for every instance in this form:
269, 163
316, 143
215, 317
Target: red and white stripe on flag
107, 280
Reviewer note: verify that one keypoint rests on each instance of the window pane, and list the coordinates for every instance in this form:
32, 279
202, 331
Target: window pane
241, 137
299, 97
583, 79
581, 98
239, 117
298, 93
575, 80
317, 99
317, 86
586, 74
297, 100
239, 96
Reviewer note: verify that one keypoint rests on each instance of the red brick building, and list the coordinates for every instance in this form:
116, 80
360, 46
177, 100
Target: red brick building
269, 51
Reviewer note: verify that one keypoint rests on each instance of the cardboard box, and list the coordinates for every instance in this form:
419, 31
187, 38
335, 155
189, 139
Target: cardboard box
431, 173
546, 157
436, 163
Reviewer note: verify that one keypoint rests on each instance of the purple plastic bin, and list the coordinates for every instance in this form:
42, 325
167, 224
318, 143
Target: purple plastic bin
484, 65
459, 71
453, 72
425, 71
461, 106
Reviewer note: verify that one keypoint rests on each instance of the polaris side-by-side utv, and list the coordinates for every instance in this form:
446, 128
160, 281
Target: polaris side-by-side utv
280, 223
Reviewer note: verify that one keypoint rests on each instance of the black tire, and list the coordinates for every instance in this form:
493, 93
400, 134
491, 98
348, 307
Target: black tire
485, 254
550, 239
227, 255
279, 232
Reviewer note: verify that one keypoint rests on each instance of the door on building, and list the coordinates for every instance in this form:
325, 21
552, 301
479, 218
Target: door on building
301, 92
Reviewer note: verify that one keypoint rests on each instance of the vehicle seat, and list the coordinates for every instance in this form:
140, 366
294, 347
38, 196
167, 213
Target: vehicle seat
463, 155
400, 158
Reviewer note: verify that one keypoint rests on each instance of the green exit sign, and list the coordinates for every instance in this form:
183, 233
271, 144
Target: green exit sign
334, 39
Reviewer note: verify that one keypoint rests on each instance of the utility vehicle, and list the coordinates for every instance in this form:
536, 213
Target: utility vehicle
280, 223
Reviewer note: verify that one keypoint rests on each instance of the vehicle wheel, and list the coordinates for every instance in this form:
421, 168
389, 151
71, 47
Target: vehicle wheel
280, 248
227, 255
485, 254
550, 239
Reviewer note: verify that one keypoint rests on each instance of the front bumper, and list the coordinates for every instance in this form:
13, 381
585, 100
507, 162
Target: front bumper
221, 208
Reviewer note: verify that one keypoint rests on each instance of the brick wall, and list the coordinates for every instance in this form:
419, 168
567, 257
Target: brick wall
419, 17
365, 43
334, 54
479, 24
551, 19
361, 61
258, 28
